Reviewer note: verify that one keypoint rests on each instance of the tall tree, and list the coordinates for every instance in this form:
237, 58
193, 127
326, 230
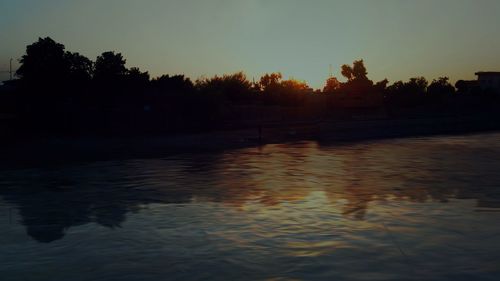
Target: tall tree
44, 62
80, 67
356, 71
137, 78
359, 70
176, 84
110, 67
347, 72
381, 86
441, 87
357, 80
231, 86
417, 85
332, 85
270, 81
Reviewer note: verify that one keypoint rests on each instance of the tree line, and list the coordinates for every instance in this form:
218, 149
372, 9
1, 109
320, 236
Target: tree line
64, 91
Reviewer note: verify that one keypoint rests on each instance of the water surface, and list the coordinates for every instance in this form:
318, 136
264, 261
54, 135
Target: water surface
405, 209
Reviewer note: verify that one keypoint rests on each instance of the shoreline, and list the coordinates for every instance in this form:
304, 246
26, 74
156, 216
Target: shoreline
62, 150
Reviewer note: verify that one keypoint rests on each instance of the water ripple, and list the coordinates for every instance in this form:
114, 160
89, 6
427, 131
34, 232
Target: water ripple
404, 209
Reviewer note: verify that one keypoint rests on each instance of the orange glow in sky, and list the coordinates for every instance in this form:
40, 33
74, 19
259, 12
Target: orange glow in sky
397, 39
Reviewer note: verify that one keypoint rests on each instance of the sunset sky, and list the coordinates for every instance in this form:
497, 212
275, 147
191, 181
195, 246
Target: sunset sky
397, 39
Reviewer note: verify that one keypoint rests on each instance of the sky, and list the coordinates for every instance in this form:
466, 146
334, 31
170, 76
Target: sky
397, 39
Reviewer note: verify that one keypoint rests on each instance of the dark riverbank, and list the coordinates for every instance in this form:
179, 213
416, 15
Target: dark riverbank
56, 150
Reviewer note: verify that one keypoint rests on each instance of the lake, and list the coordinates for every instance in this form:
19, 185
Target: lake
401, 209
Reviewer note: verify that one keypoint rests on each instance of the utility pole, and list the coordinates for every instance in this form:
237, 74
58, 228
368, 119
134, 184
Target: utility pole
10, 69
11, 73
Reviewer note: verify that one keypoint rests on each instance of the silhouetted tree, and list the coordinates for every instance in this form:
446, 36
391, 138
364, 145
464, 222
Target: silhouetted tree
295, 86
411, 93
294, 91
359, 70
381, 86
177, 84
59, 89
347, 72
468, 87
356, 72
415, 86
332, 85
234, 87
441, 87
46, 65
80, 68
357, 80
270, 81
110, 67
136, 79
278, 91
396, 88
43, 64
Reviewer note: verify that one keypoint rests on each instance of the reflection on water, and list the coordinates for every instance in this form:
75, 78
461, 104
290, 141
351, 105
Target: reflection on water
408, 209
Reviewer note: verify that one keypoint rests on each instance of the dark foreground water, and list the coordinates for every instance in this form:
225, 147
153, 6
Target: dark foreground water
407, 209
